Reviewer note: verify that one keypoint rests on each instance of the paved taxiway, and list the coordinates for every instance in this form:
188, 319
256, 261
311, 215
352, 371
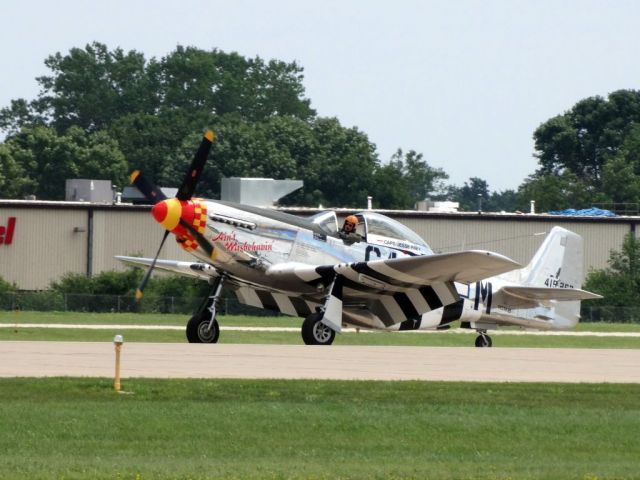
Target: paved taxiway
173, 360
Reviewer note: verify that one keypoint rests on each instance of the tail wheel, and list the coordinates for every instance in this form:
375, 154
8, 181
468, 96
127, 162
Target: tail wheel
198, 330
314, 332
483, 341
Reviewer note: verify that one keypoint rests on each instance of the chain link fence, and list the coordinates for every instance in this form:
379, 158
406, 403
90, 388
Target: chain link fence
49, 301
611, 314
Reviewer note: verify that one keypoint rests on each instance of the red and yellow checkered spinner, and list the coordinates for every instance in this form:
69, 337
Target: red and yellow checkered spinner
168, 213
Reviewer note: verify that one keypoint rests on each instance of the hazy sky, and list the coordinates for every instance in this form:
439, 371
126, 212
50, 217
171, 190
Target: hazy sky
463, 82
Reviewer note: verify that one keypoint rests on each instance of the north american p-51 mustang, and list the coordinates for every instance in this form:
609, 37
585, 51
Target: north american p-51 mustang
391, 279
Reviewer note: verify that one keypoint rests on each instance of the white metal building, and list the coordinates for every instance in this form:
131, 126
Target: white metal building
40, 241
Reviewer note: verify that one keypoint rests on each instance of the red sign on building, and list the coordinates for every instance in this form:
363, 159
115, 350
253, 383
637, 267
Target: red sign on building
6, 233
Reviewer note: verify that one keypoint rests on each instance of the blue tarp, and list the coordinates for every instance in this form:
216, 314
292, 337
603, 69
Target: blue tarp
585, 212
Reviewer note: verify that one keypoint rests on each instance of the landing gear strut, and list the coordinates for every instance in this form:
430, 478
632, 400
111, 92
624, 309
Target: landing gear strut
483, 340
314, 332
203, 326
320, 327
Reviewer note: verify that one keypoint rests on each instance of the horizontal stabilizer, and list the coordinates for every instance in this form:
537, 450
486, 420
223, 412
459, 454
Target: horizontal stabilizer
528, 297
541, 293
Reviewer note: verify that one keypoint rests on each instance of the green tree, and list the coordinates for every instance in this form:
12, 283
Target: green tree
98, 107
14, 181
583, 139
505, 200
336, 163
620, 182
222, 83
621, 174
619, 284
47, 159
472, 196
93, 87
556, 192
343, 164
150, 108
390, 188
421, 179
242, 148
631, 148
406, 180
152, 142
19, 114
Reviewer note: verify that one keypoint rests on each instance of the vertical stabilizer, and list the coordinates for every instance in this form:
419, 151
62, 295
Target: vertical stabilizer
558, 263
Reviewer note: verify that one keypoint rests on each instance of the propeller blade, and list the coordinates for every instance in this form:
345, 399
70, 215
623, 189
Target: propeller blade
148, 189
147, 276
185, 192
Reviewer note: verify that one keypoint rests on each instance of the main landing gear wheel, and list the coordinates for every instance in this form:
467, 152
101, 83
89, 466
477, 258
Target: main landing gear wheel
483, 340
203, 326
314, 332
198, 330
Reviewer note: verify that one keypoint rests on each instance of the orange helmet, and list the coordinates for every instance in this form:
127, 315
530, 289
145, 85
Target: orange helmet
352, 219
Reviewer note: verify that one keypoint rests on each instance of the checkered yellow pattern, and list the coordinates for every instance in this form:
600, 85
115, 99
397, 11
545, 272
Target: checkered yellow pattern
189, 244
200, 217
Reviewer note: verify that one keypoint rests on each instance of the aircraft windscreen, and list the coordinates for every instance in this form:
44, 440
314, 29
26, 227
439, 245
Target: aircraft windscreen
384, 226
327, 221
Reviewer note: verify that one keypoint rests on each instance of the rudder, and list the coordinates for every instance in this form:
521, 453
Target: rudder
558, 263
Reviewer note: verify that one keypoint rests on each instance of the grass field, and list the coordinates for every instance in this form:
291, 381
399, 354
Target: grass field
80, 428
454, 338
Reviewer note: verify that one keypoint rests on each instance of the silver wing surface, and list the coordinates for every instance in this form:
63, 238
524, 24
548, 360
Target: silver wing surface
199, 270
406, 272
397, 289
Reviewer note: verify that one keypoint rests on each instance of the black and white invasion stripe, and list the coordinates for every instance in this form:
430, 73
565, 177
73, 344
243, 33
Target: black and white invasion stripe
279, 302
401, 306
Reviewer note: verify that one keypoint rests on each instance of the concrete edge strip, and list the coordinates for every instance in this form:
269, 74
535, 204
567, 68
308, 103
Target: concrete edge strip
66, 326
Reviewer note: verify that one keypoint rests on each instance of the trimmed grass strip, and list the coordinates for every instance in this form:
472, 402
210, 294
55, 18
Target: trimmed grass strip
201, 429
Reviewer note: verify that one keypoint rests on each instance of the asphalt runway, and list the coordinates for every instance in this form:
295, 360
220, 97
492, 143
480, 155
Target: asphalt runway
183, 360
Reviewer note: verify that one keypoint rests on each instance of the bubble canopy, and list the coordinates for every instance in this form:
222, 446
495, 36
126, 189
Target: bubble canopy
371, 223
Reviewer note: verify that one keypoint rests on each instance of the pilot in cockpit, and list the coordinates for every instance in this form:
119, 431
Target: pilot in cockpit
348, 232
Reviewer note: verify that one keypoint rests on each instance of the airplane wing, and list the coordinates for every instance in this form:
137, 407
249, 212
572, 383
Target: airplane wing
199, 270
246, 293
408, 272
530, 297
464, 267
397, 289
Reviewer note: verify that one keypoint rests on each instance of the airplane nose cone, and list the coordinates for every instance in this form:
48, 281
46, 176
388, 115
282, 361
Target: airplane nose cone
159, 211
167, 213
